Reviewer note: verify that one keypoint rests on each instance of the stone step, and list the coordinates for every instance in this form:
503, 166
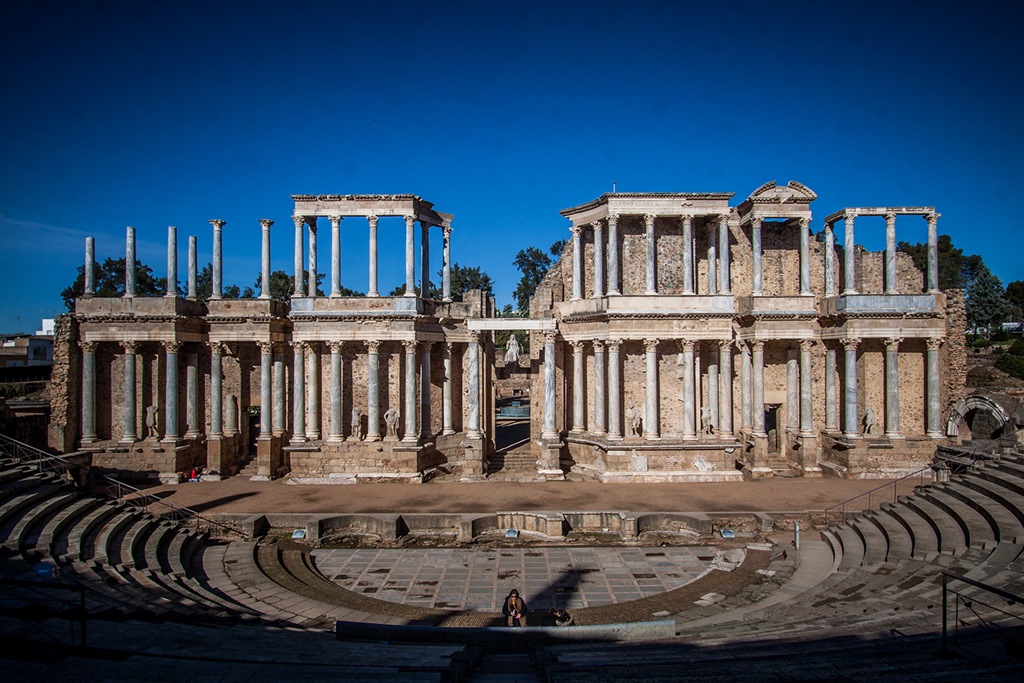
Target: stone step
876, 545
899, 544
1009, 511
853, 547
974, 531
84, 531
924, 539
52, 542
134, 539
18, 529
992, 514
106, 543
24, 500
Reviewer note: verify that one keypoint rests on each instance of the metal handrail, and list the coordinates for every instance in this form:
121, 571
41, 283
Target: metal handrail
878, 495
40, 459
948, 576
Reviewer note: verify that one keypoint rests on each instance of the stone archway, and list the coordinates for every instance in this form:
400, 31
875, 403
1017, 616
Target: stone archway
985, 416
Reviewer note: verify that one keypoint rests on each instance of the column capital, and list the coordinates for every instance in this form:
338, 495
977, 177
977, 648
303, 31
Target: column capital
649, 219
723, 220
850, 343
687, 345
410, 345
216, 347
724, 344
218, 223
613, 218
576, 230
449, 346
756, 221
446, 231
373, 345
335, 221
893, 343
299, 221
932, 217
934, 343
266, 347
651, 345
550, 336
596, 225
265, 223
88, 346
336, 346
577, 345
890, 216
849, 217
171, 346
409, 221
804, 221
372, 220
129, 345
308, 346
686, 219
807, 344
598, 345
757, 345
614, 344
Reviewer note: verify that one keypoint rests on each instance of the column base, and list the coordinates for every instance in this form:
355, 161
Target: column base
614, 437
851, 435
689, 437
297, 440
895, 437
372, 438
335, 438
126, 441
657, 437
936, 435
551, 475
447, 432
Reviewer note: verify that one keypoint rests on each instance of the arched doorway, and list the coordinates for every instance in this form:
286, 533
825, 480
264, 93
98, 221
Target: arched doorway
985, 416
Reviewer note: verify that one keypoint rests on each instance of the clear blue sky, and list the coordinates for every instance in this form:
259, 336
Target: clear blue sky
172, 113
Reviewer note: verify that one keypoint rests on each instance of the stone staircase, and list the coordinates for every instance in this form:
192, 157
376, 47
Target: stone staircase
512, 465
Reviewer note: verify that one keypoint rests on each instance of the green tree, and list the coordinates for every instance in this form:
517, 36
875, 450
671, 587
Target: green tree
533, 264
1015, 295
282, 285
204, 287
501, 336
956, 271
109, 279
558, 247
464, 278
987, 306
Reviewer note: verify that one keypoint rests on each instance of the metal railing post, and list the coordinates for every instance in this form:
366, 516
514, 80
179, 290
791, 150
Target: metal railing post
945, 647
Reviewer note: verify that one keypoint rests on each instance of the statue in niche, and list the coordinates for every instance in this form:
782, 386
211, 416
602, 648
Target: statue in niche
357, 423
512, 350
391, 420
870, 422
633, 420
151, 421
707, 427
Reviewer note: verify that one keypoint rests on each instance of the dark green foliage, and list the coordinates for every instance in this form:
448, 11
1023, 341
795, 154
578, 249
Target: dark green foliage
282, 284
1012, 362
956, 271
109, 277
533, 264
987, 307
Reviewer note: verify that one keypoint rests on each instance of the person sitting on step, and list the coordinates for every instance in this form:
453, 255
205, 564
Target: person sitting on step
514, 608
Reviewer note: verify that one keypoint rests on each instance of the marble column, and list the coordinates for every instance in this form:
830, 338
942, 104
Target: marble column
831, 395
266, 388
410, 259
689, 426
425, 284
713, 390
216, 390
746, 387
446, 267
652, 420
88, 391
171, 391
373, 390
578, 399
757, 369
298, 392
426, 428
192, 429
830, 260
892, 387
193, 273
688, 255
806, 392
934, 406
373, 291
724, 286
651, 255
313, 391
473, 389
933, 252
217, 289
849, 258
90, 267
851, 423
313, 253
725, 388
300, 250
577, 262
335, 256
792, 391
599, 389
613, 253
805, 257
614, 391
712, 262
891, 285
265, 224
336, 434
410, 435
446, 392
598, 227
279, 390
549, 431
129, 263
755, 243
130, 433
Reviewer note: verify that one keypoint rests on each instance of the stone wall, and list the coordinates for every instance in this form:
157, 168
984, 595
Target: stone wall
65, 402
953, 353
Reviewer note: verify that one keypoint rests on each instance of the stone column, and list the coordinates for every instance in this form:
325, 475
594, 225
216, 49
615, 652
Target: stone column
892, 388
598, 227
578, 399
806, 394
688, 255
599, 389
891, 286
193, 272
313, 253
410, 260
216, 390
850, 258
651, 256
88, 391
265, 224
725, 388
851, 424
130, 433
425, 260
805, 257
689, 426
129, 263
90, 267
723, 254
933, 252
757, 368
577, 262
652, 421
336, 434
217, 290
279, 400
171, 391
298, 392
830, 261
614, 391
446, 267
335, 256
712, 262
746, 387
755, 242
299, 260
410, 435
192, 429
446, 391
613, 253
932, 369
426, 429
831, 396
549, 431
473, 388
372, 220
713, 389
266, 388
373, 390
792, 392
313, 391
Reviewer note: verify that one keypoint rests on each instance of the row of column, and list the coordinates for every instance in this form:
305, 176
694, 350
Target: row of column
756, 224
719, 252
301, 290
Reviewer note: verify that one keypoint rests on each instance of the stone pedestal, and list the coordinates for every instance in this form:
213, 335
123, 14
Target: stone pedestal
268, 457
550, 460
474, 466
